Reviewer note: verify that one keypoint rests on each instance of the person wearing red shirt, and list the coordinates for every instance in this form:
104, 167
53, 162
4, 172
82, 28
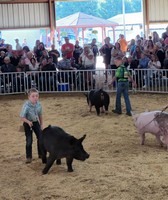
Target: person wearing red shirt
68, 48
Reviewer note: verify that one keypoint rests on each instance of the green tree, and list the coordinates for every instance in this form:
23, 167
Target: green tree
99, 8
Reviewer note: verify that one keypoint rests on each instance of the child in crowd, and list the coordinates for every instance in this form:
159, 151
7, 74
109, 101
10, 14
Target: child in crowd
31, 115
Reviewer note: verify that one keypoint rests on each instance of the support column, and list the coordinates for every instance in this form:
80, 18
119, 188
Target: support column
52, 20
113, 34
103, 35
83, 34
146, 17
76, 33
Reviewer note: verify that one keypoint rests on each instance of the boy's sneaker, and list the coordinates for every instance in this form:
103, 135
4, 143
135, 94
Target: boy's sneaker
28, 160
129, 114
117, 112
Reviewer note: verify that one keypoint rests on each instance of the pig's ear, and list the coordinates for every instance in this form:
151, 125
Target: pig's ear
82, 138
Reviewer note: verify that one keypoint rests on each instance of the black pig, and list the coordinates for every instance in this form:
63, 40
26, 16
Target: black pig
60, 144
99, 99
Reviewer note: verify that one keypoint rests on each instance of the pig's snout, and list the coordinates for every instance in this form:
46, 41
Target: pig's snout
86, 156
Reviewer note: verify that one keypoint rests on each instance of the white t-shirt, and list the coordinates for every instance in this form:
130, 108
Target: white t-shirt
154, 64
33, 68
86, 61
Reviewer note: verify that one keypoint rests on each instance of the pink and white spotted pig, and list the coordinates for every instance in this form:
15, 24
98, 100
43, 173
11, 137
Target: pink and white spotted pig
154, 122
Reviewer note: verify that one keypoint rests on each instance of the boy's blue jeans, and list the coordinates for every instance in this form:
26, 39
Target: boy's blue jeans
122, 88
29, 138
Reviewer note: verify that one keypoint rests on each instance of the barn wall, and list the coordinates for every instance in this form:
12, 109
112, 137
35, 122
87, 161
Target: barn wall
157, 11
27, 15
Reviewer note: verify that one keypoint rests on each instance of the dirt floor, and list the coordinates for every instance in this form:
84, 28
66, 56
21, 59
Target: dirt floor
119, 167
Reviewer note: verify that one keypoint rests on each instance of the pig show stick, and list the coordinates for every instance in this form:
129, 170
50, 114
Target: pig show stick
155, 117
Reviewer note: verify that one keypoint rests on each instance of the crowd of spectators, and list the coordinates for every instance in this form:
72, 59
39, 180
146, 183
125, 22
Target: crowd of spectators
139, 53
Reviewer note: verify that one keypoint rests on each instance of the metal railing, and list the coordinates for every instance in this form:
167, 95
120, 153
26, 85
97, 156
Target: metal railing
153, 81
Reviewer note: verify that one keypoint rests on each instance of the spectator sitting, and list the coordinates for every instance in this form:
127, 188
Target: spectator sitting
44, 55
44, 66
149, 49
26, 49
154, 63
65, 64
33, 66
9, 50
22, 67
153, 66
15, 58
7, 67
143, 64
51, 63
137, 53
132, 63
27, 57
47, 79
139, 44
160, 53
125, 61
